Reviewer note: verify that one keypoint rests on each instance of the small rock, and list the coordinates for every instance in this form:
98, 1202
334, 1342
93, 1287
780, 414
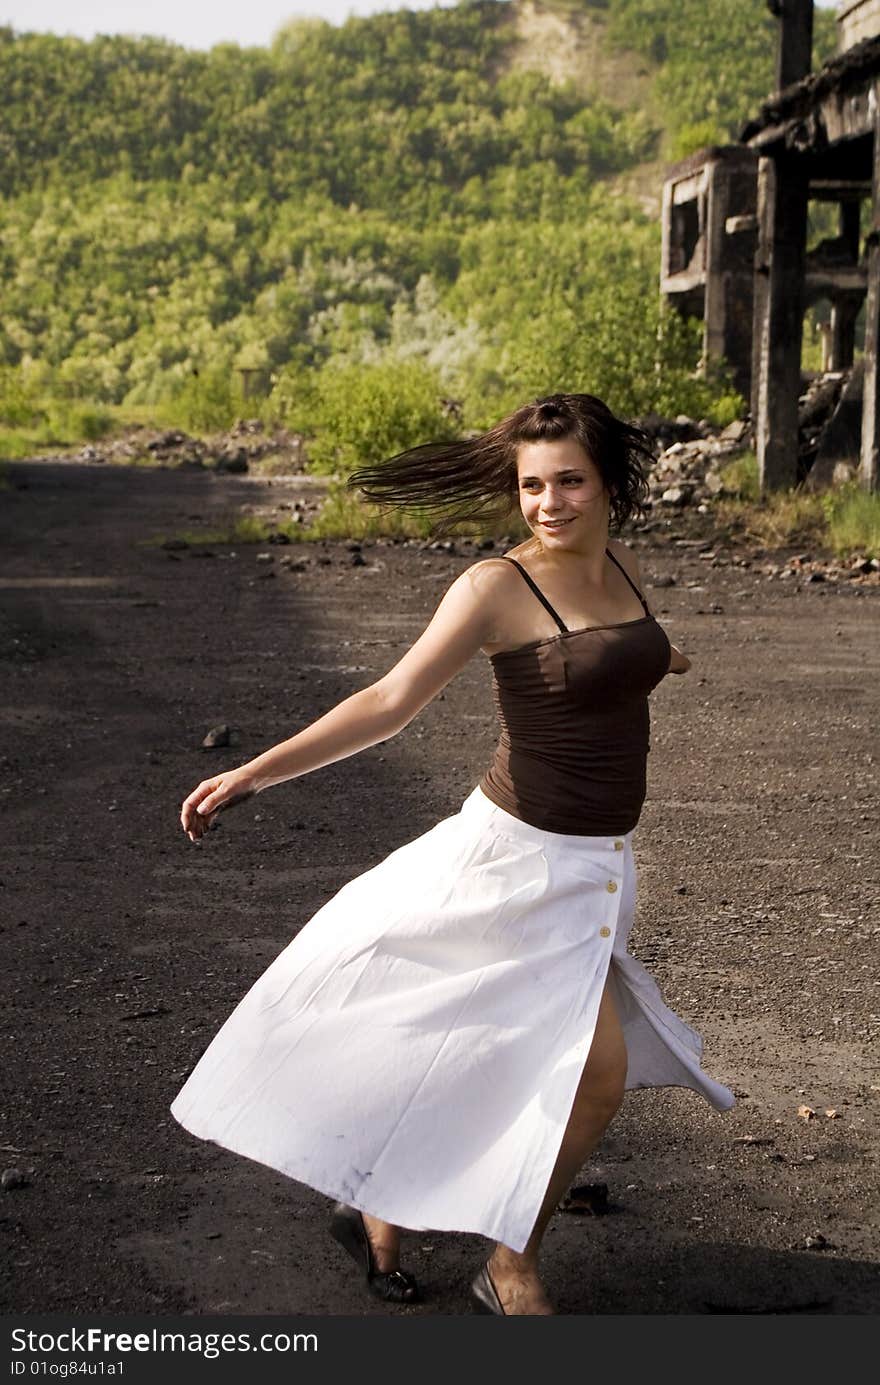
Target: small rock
680, 889
172, 438
587, 1199
676, 496
265, 557
735, 432
13, 1178
217, 736
234, 461
817, 1242
806, 1113
663, 580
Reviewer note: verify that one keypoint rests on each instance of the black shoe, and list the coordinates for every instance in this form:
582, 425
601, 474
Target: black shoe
347, 1227
484, 1294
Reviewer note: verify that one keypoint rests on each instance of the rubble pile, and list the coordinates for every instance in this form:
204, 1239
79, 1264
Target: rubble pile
689, 471
857, 568
816, 408
246, 441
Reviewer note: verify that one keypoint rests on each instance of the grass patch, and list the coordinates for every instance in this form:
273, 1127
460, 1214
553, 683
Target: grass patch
238, 530
741, 477
274, 464
845, 520
786, 518
344, 516
16, 443
853, 520
57, 427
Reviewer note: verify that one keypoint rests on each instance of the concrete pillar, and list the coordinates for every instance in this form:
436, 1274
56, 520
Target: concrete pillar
850, 226
869, 472
778, 317
842, 346
715, 312
730, 255
794, 46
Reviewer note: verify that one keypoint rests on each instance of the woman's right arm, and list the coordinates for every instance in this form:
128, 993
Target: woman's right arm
462, 623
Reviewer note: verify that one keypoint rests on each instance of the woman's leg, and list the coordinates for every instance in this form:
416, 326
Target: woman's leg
598, 1098
384, 1243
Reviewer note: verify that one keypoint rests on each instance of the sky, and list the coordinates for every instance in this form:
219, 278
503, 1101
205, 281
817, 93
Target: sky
197, 24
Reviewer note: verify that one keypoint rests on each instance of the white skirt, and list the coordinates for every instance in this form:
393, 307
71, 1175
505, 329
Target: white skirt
416, 1049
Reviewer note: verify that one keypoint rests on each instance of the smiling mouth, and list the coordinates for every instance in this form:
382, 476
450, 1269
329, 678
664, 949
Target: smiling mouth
555, 523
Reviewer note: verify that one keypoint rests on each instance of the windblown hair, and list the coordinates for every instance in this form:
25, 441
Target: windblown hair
474, 481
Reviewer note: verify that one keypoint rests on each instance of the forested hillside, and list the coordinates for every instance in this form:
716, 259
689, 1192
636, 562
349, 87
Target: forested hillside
416, 200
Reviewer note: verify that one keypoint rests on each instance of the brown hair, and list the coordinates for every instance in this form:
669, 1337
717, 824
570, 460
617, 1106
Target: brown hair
474, 481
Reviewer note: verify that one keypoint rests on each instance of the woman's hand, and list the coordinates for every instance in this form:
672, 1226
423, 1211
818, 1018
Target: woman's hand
198, 812
679, 663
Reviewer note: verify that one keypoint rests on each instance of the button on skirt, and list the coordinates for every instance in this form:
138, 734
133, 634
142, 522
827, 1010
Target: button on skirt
416, 1049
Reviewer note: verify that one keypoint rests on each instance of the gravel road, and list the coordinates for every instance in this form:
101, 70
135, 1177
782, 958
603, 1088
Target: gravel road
125, 946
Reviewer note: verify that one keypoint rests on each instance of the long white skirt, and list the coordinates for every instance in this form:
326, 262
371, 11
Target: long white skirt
415, 1051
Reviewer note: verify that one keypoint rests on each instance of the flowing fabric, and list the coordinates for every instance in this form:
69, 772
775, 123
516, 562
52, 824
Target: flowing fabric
416, 1049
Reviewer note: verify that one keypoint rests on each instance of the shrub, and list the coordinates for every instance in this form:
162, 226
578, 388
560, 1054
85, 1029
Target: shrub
354, 415
80, 422
209, 400
19, 403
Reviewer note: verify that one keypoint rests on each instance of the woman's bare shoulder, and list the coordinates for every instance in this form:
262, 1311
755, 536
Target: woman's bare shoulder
490, 575
495, 588
526, 549
627, 558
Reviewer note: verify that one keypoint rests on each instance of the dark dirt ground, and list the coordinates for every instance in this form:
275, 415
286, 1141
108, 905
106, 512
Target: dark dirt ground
126, 946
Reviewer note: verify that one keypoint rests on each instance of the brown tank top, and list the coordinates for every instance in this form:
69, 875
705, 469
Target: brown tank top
575, 725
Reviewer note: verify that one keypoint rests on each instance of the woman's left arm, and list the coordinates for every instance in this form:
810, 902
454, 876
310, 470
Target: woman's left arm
678, 663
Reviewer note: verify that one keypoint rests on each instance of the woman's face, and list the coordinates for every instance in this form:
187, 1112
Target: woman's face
561, 492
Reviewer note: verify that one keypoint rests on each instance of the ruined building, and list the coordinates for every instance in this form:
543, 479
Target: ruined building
735, 236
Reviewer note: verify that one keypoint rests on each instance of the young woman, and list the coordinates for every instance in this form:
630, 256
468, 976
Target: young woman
444, 1043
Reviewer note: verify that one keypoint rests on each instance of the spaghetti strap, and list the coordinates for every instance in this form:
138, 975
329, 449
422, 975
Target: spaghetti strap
538, 593
629, 579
